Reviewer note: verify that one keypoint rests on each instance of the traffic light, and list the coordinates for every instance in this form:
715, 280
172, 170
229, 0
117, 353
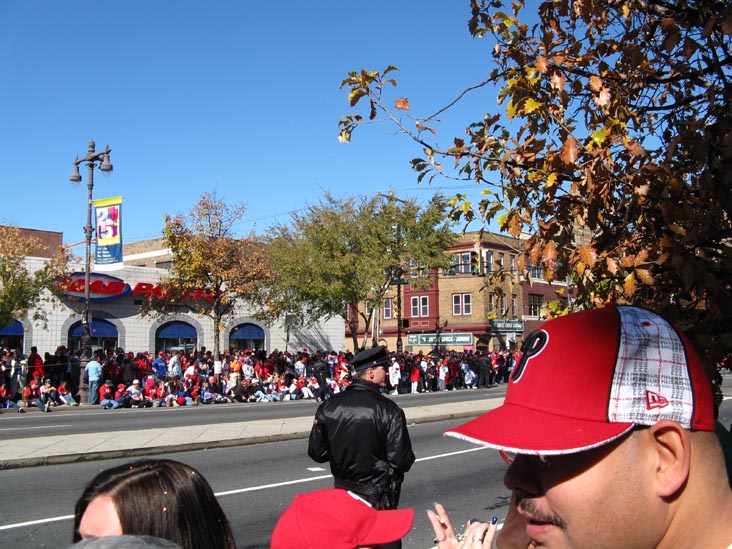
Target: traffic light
474, 263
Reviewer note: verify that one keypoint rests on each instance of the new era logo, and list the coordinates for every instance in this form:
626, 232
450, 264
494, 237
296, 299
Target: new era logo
654, 400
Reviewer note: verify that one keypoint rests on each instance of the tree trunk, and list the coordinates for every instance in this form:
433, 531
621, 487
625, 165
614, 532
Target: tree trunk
217, 331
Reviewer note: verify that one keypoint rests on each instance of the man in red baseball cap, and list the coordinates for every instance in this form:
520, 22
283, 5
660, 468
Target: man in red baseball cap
338, 519
608, 425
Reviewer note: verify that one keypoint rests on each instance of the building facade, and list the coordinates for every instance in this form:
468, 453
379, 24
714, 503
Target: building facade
115, 302
481, 301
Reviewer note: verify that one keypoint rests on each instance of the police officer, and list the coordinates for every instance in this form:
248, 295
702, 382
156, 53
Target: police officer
364, 434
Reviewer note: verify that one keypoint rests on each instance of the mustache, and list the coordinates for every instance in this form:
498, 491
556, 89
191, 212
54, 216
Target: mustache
527, 506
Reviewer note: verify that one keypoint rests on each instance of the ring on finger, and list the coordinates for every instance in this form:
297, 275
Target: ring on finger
440, 540
477, 538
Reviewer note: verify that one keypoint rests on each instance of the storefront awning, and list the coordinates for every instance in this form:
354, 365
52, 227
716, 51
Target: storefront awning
176, 330
99, 328
247, 331
15, 329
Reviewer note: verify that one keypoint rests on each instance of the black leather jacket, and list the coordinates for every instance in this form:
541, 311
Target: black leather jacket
364, 436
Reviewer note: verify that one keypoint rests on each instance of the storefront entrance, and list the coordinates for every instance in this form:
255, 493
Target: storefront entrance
103, 335
11, 337
176, 336
246, 336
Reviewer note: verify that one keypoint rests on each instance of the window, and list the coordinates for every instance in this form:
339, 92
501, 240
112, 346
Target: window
369, 309
513, 263
388, 308
463, 262
535, 303
536, 272
513, 306
503, 305
420, 306
500, 260
462, 304
491, 301
489, 261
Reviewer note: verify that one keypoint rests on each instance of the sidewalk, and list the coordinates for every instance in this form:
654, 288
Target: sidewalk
53, 450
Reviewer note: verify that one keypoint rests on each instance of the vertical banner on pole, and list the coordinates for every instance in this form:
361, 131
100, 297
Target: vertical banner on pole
109, 232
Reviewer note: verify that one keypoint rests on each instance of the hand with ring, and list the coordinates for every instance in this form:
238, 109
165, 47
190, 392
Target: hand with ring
477, 534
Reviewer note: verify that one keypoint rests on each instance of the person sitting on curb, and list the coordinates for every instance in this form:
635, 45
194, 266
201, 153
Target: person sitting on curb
32, 397
338, 519
137, 398
65, 395
6, 399
48, 394
107, 396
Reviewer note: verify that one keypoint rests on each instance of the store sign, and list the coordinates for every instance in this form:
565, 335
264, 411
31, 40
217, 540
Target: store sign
503, 326
103, 287
462, 338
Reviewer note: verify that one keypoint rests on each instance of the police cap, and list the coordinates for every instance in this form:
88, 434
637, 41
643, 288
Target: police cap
370, 358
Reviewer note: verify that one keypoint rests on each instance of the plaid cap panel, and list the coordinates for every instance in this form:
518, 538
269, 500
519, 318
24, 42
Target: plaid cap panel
651, 380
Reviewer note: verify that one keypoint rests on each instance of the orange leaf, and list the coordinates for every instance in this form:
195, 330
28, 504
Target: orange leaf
630, 285
514, 227
569, 151
541, 64
549, 255
422, 127
558, 80
612, 265
635, 148
588, 255
641, 258
402, 103
595, 83
646, 277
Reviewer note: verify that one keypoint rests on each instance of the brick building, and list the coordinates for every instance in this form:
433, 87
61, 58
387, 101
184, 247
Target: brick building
480, 301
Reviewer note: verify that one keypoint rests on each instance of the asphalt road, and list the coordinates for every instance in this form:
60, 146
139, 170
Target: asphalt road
95, 420
256, 483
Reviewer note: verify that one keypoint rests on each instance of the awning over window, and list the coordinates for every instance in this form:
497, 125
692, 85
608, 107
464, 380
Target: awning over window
176, 330
247, 331
15, 329
99, 328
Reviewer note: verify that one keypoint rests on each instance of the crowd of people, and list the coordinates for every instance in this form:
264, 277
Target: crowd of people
119, 379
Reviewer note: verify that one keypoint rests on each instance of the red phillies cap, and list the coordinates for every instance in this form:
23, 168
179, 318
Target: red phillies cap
587, 378
350, 522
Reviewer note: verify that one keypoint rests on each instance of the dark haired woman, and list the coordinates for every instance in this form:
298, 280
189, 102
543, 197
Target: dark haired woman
153, 497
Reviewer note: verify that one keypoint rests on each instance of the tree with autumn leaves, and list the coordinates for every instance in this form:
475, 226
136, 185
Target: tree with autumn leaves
610, 143
209, 257
22, 289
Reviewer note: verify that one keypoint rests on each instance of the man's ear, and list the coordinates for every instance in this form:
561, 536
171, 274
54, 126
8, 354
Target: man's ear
671, 445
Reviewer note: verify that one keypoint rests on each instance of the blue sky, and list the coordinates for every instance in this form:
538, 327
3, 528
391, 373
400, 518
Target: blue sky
242, 97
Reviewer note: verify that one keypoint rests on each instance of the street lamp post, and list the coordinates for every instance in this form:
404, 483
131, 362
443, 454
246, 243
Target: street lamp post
91, 159
397, 273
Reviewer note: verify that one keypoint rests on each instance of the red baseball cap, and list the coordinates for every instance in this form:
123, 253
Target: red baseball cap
587, 378
349, 522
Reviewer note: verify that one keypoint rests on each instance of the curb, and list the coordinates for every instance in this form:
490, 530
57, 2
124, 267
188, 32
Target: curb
65, 459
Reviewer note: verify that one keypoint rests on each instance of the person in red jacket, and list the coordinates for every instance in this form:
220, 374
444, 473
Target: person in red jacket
414, 376
35, 365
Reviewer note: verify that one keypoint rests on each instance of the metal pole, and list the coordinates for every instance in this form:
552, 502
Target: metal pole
399, 344
88, 230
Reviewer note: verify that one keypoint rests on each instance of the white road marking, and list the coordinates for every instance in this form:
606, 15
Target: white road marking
238, 491
29, 428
